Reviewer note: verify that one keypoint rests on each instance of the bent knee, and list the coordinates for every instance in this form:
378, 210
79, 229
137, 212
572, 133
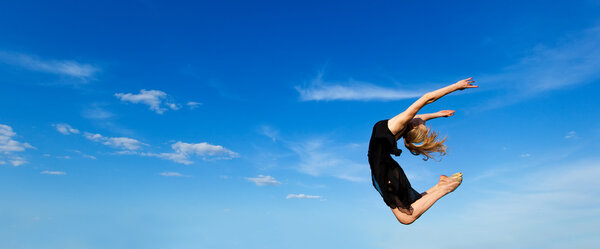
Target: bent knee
406, 220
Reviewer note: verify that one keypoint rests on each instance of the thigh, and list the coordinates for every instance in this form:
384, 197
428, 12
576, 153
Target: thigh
404, 192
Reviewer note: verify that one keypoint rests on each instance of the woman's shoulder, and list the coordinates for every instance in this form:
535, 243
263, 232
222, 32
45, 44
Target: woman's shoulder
381, 124
382, 129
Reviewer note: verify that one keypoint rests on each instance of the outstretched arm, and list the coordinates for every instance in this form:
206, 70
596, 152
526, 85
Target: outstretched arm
429, 116
398, 123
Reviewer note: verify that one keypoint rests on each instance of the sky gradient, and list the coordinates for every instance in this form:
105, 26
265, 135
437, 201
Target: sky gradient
236, 124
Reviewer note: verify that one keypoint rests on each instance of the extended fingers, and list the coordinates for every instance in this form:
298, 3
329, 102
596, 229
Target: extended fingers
446, 113
466, 83
469, 83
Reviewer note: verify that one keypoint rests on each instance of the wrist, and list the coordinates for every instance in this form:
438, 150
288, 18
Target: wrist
455, 86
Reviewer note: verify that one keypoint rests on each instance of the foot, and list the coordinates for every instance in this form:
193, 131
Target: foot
449, 184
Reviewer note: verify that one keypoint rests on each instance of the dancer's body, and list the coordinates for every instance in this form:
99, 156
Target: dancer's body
387, 175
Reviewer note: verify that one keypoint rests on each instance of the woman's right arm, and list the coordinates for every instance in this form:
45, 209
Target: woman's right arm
398, 123
430, 116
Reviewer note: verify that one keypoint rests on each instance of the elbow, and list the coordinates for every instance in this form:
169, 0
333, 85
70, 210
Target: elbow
429, 97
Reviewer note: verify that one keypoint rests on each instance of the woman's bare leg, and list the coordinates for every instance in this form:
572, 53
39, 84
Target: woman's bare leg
444, 186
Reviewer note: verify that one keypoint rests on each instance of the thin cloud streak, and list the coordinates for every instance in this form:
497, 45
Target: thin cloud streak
571, 135
96, 112
59, 67
193, 105
352, 90
262, 180
172, 174
269, 132
302, 196
46, 172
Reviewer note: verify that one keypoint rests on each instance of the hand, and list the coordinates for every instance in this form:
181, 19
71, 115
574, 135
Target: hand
446, 113
466, 83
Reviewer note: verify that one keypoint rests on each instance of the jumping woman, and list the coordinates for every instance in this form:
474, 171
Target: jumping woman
387, 175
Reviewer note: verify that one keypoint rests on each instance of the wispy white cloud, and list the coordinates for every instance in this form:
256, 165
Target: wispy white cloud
320, 156
65, 129
46, 172
7, 143
302, 196
352, 90
84, 155
175, 174
262, 180
525, 155
9, 146
193, 105
59, 67
184, 151
268, 131
17, 161
315, 155
569, 62
571, 134
89, 156
96, 112
101, 115
158, 101
118, 142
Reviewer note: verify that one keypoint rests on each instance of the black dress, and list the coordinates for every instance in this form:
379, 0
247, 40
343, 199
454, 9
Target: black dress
387, 175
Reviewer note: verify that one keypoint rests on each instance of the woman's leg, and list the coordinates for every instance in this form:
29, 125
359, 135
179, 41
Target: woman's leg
444, 186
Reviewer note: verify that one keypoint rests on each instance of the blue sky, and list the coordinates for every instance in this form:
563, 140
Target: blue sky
235, 124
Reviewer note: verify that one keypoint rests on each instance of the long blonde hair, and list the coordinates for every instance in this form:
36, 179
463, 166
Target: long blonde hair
428, 140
